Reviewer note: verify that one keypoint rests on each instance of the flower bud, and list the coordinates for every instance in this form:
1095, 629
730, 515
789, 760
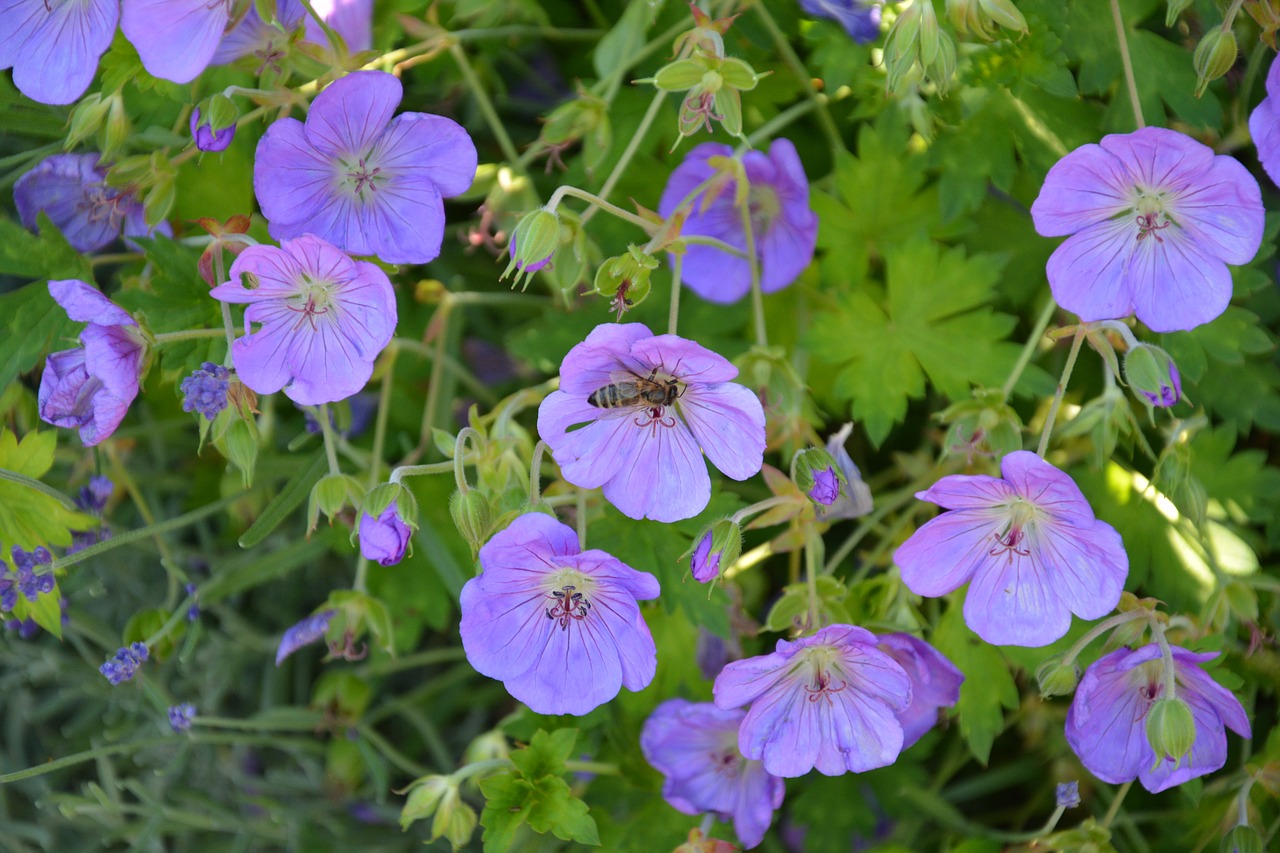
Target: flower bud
332, 494
117, 128
471, 515
1067, 794
718, 547
1057, 678
454, 820
539, 237
86, 118
1003, 13
1174, 10
818, 476
1171, 729
1152, 374
384, 538
218, 127
490, 745
1242, 839
1214, 56
424, 798
930, 35
239, 444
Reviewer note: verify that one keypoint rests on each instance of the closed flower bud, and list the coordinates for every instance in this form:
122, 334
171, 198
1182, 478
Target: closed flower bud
818, 476
718, 548
1057, 678
930, 36
240, 445
1004, 13
331, 495
454, 820
86, 118
1171, 729
1242, 839
486, 747
213, 130
424, 798
471, 515
1153, 375
1174, 10
533, 242
117, 127
1214, 56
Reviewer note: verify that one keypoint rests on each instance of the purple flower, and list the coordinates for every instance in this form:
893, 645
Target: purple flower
355, 176
93, 497
705, 563
323, 320
1264, 125
560, 627
695, 747
1155, 218
304, 633
828, 701
860, 18
1106, 725
181, 717
784, 227
72, 191
351, 19
205, 390
124, 664
175, 39
854, 501
385, 538
1029, 546
825, 488
25, 578
1067, 794
650, 404
935, 682
54, 48
91, 387
267, 41
208, 139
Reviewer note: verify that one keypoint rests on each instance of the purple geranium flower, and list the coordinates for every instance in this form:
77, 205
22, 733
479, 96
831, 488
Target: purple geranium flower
1155, 218
208, 139
175, 39
351, 19
560, 627
784, 227
860, 18
650, 404
324, 318
266, 41
1030, 545
828, 701
90, 388
385, 538
371, 184
854, 500
1106, 725
1264, 125
695, 747
54, 48
935, 683
304, 633
72, 191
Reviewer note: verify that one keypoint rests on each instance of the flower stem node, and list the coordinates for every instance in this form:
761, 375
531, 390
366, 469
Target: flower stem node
1215, 55
1171, 730
718, 547
1153, 375
533, 242
1057, 677
818, 476
471, 514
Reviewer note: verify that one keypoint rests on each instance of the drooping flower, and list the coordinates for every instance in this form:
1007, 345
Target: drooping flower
695, 747
306, 632
205, 390
1264, 125
560, 627
72, 191
860, 18
90, 387
54, 48
181, 717
369, 183
1106, 725
1028, 544
323, 320
935, 683
1155, 218
206, 138
854, 500
385, 538
175, 39
123, 665
651, 406
828, 701
777, 200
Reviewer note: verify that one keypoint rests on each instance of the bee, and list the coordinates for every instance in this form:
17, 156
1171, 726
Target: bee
636, 390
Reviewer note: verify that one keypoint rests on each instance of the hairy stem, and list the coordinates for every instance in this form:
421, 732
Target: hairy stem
1127, 62
1076, 341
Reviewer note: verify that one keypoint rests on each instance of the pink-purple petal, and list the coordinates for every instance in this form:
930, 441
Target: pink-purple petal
728, 422
175, 39
1176, 286
352, 113
946, 551
84, 303
1089, 273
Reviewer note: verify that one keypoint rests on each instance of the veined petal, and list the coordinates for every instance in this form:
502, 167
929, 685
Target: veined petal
1158, 158
1222, 211
599, 359
1088, 186
1105, 724
968, 491
175, 39
402, 223
1089, 566
946, 551
728, 422
662, 475
1175, 286
1047, 487
1089, 273
60, 56
1264, 127
328, 362
591, 455
291, 179
350, 116
84, 303
1013, 600
435, 147
687, 360
114, 355
261, 358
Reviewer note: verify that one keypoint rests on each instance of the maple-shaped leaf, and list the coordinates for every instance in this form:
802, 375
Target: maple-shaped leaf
30, 515
934, 322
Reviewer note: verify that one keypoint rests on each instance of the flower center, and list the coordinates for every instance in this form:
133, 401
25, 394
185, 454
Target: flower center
727, 761
763, 206
1148, 679
314, 298
361, 178
567, 600
1010, 539
102, 204
821, 674
1149, 208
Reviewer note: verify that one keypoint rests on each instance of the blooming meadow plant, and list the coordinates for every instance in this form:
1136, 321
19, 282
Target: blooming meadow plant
362, 334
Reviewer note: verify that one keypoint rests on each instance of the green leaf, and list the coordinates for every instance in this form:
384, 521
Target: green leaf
536, 794
289, 499
977, 152
28, 515
546, 753
44, 255
34, 324
46, 611
934, 323
988, 687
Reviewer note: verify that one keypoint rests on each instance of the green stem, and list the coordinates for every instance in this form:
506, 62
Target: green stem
228, 326
580, 520
1168, 674
474, 385
185, 335
1120, 794
1127, 62
330, 445
417, 470
761, 506
558, 196
812, 544
1029, 348
459, 456
797, 67
753, 261
884, 506
673, 314
627, 153
1097, 630
434, 384
773, 125
121, 475
535, 473
486, 106
390, 753
141, 533
1076, 341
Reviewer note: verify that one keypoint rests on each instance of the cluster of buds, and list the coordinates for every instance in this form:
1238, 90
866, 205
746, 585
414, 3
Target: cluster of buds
984, 17
104, 116
916, 38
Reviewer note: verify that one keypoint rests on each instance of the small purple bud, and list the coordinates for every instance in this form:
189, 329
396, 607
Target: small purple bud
124, 664
94, 496
705, 564
385, 538
826, 487
304, 633
181, 716
205, 390
208, 139
1153, 375
719, 546
1068, 795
